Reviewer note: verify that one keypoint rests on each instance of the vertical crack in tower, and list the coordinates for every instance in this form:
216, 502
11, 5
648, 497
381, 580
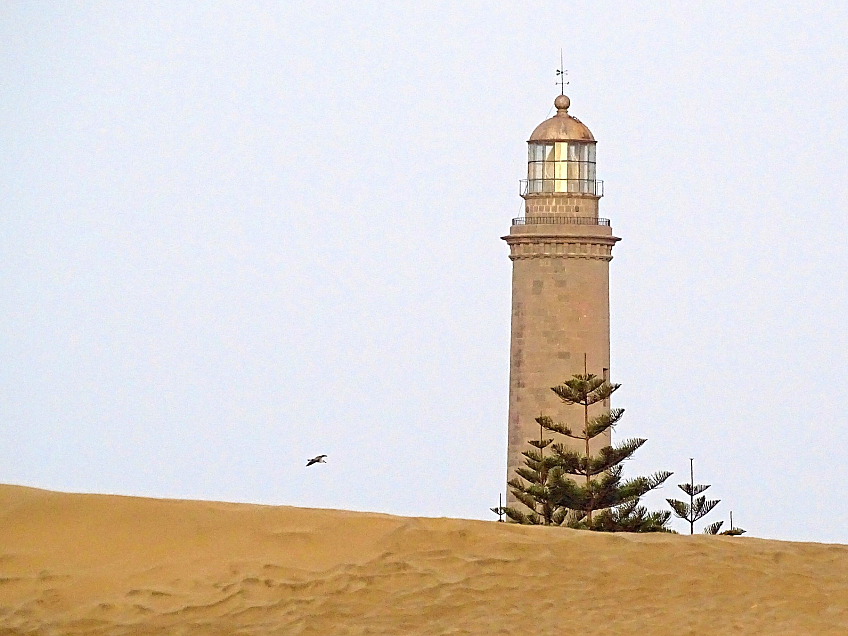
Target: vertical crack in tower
560, 252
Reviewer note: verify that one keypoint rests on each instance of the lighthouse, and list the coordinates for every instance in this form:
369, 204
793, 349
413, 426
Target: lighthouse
560, 251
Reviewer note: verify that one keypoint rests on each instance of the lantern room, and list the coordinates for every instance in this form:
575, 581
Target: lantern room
561, 156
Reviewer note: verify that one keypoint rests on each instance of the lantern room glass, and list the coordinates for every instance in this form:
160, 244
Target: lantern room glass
561, 166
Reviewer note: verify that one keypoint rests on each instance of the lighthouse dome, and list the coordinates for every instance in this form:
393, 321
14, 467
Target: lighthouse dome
562, 126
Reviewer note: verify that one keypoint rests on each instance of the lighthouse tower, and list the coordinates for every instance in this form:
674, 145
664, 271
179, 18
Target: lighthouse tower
560, 251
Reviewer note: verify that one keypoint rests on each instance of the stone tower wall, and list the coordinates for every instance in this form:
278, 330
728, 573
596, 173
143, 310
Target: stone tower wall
560, 311
579, 206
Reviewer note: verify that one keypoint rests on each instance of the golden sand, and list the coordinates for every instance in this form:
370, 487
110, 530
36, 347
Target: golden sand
95, 564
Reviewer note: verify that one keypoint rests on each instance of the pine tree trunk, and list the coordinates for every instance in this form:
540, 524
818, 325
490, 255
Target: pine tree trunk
586, 435
543, 475
692, 497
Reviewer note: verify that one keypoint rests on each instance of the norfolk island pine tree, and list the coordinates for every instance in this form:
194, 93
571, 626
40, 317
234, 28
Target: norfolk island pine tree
568, 487
698, 507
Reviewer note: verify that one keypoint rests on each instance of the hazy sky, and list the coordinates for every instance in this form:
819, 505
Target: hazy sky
238, 234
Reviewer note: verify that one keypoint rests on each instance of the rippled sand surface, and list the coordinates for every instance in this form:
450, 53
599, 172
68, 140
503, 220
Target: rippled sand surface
97, 565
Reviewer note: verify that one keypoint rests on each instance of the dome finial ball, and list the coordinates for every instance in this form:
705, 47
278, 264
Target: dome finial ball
562, 102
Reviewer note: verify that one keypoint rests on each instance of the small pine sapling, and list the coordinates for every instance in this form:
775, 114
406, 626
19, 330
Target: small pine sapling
714, 528
698, 507
500, 510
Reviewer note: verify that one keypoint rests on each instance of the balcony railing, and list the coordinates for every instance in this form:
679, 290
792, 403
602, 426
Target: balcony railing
560, 220
563, 186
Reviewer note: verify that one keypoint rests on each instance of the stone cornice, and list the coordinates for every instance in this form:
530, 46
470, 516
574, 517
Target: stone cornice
591, 246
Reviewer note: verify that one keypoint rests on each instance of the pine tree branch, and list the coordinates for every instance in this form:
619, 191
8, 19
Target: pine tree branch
631, 517
532, 455
562, 429
516, 484
693, 490
610, 456
658, 479
516, 515
680, 508
540, 443
702, 507
638, 486
602, 392
566, 493
575, 519
578, 389
527, 473
568, 460
525, 498
713, 528
559, 516
604, 421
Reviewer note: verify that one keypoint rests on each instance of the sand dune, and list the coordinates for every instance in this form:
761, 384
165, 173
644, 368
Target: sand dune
94, 564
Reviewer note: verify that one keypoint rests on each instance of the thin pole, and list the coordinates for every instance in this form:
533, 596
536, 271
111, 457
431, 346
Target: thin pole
562, 71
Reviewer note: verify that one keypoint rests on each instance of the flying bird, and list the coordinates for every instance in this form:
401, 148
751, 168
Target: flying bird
316, 460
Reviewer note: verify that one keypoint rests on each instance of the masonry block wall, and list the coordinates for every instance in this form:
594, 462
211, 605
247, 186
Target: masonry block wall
560, 311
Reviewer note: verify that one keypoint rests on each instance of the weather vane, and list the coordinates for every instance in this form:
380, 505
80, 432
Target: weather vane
561, 73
